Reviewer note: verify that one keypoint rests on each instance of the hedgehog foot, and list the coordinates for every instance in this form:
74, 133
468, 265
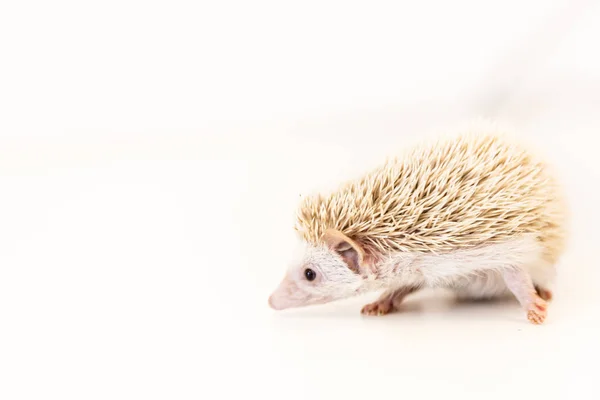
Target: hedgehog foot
387, 302
520, 284
379, 307
537, 311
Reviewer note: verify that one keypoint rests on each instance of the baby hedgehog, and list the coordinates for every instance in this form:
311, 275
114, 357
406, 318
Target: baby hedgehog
474, 213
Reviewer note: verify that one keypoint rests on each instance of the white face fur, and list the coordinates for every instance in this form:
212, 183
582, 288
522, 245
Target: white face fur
323, 274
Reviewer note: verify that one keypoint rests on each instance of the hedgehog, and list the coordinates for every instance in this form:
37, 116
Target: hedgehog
476, 213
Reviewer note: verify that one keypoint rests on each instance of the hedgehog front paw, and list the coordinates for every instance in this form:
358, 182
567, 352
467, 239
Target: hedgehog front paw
537, 311
379, 307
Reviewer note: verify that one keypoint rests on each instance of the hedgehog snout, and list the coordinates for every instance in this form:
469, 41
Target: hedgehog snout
290, 295
273, 303
284, 295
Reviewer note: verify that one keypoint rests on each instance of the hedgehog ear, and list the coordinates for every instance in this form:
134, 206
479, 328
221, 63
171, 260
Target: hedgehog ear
350, 251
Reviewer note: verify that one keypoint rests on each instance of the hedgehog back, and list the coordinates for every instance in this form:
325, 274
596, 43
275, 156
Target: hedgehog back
454, 193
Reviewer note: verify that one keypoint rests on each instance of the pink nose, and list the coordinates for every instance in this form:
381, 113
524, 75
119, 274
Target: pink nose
272, 303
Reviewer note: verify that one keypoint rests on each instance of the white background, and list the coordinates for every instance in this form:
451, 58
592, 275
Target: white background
151, 159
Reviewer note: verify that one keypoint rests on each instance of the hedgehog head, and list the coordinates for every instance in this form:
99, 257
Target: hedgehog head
331, 269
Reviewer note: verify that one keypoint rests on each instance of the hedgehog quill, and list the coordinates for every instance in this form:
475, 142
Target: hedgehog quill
474, 213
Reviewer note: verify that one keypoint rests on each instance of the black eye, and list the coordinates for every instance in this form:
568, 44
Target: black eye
310, 274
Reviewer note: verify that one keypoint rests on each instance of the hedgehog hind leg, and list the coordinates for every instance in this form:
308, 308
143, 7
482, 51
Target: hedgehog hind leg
543, 292
543, 274
520, 283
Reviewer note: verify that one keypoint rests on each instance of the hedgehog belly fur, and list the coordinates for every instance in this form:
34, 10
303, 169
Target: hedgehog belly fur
472, 273
473, 195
